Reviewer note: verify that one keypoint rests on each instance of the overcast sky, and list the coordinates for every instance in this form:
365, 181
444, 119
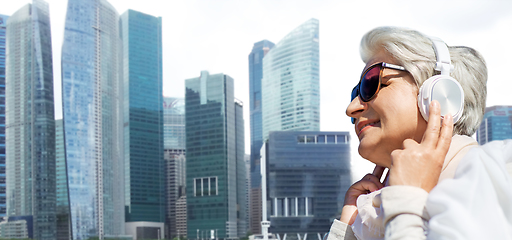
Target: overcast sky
218, 36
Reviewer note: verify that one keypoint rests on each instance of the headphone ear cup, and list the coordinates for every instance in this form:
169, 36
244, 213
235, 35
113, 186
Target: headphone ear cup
447, 91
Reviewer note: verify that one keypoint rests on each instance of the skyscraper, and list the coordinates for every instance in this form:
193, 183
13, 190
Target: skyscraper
290, 86
241, 192
30, 124
63, 219
259, 50
307, 175
214, 157
175, 160
3, 25
92, 97
496, 125
143, 121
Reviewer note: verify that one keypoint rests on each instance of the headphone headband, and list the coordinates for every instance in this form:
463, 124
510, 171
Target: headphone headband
443, 62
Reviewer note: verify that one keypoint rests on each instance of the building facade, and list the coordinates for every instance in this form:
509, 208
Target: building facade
213, 157
92, 96
3, 28
496, 125
175, 163
30, 124
181, 217
259, 50
63, 219
143, 124
290, 87
307, 175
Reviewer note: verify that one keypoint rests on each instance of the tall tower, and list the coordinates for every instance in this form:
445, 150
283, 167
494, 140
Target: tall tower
175, 160
259, 50
143, 121
63, 218
291, 82
30, 124
213, 157
3, 25
92, 97
496, 125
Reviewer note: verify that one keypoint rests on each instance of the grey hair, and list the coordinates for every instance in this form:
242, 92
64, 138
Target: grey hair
415, 52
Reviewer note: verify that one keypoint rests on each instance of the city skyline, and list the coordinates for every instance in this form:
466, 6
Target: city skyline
481, 25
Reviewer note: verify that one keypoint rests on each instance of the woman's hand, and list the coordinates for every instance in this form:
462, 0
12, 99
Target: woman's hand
368, 184
420, 164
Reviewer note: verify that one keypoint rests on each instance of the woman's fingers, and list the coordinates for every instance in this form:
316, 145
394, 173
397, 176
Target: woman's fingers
445, 138
369, 183
431, 135
378, 171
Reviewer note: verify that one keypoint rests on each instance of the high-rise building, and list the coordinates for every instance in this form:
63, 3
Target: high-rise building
143, 121
92, 97
175, 160
3, 25
241, 192
290, 87
496, 125
259, 50
307, 175
30, 124
214, 155
63, 219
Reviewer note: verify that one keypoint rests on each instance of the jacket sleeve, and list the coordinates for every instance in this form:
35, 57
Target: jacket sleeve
341, 231
405, 216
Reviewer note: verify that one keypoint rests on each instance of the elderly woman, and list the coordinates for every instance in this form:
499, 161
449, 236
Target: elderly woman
394, 134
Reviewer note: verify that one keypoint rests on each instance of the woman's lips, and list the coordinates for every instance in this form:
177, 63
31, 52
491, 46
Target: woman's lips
365, 125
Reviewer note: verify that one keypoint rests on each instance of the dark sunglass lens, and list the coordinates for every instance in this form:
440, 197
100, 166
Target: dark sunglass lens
355, 92
369, 83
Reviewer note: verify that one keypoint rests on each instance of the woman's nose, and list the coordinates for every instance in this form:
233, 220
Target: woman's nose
356, 107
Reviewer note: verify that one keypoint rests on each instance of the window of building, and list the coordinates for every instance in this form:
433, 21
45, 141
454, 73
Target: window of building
206, 186
321, 138
291, 207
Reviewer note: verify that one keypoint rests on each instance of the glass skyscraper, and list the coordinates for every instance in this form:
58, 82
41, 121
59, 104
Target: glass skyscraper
308, 174
259, 50
30, 124
143, 121
175, 160
214, 133
496, 125
174, 123
3, 25
92, 96
63, 220
290, 87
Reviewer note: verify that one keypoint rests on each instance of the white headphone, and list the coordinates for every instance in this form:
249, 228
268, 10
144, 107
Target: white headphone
443, 88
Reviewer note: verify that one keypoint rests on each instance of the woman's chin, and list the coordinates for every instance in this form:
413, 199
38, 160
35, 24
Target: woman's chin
371, 154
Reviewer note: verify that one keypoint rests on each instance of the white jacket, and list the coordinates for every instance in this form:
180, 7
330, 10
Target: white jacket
475, 204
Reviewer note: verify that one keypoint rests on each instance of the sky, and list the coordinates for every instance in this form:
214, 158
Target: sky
218, 36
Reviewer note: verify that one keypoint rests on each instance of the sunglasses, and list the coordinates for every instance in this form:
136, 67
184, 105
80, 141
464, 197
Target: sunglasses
370, 82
